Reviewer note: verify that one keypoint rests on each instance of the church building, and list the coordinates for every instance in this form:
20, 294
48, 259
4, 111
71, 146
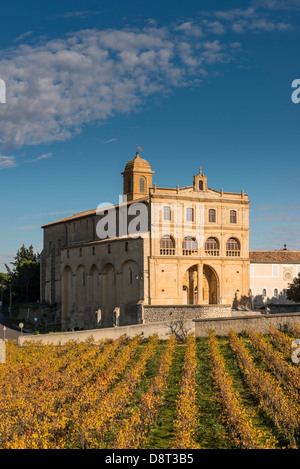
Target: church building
160, 247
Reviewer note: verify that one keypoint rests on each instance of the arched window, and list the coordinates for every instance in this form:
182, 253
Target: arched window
233, 248
212, 215
167, 245
189, 214
189, 246
142, 185
232, 216
212, 247
276, 295
200, 185
167, 213
264, 293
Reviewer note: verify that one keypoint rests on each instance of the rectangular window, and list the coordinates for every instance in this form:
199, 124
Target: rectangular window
275, 270
189, 214
212, 215
232, 216
167, 213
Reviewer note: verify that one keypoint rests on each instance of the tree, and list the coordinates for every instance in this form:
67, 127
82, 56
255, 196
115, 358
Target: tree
293, 292
25, 275
4, 287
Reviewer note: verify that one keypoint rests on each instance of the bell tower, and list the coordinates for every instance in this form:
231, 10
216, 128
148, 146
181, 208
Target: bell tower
137, 178
200, 181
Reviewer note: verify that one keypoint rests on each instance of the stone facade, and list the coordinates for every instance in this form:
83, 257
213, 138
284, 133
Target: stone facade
190, 247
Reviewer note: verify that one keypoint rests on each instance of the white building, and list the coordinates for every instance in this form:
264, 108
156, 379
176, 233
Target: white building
271, 272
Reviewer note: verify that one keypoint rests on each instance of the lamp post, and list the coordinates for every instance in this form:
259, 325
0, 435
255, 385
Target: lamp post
10, 295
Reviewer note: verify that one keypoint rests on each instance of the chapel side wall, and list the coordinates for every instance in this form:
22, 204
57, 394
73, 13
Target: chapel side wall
113, 278
54, 239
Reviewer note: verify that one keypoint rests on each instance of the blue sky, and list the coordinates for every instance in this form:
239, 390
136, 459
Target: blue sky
194, 83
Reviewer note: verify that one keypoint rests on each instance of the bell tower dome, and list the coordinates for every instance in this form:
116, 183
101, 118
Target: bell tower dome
137, 178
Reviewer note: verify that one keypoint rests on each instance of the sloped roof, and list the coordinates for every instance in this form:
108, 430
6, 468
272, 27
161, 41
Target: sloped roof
283, 256
95, 211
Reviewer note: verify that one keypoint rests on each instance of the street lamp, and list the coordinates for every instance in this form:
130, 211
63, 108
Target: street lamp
10, 295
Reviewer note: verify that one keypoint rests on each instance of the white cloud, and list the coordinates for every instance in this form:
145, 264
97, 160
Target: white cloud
23, 36
7, 162
111, 140
45, 156
55, 87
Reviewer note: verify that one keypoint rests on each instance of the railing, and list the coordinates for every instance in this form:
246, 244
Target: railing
190, 252
235, 253
195, 252
167, 252
214, 252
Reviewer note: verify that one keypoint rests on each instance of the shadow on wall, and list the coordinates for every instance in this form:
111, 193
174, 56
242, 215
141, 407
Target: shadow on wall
259, 301
244, 302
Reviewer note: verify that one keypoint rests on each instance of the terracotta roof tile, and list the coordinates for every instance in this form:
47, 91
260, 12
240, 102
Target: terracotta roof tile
283, 256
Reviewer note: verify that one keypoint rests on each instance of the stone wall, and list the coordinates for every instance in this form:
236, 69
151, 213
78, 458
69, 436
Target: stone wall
282, 308
155, 313
260, 323
200, 327
163, 330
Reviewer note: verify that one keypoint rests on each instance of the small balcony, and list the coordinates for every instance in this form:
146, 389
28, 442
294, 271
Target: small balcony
167, 252
190, 252
212, 252
235, 253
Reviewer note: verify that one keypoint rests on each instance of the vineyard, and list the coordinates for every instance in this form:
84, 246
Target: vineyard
239, 391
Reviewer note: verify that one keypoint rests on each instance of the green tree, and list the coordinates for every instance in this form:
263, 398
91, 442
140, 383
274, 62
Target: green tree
4, 287
293, 292
25, 275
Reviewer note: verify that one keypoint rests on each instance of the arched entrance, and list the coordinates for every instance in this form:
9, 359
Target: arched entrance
130, 292
207, 292
210, 286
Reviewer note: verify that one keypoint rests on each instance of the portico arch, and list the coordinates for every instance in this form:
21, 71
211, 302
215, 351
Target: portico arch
210, 286
130, 291
200, 285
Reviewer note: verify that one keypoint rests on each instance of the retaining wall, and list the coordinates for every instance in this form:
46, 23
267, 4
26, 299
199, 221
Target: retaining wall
283, 308
162, 329
200, 327
260, 323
